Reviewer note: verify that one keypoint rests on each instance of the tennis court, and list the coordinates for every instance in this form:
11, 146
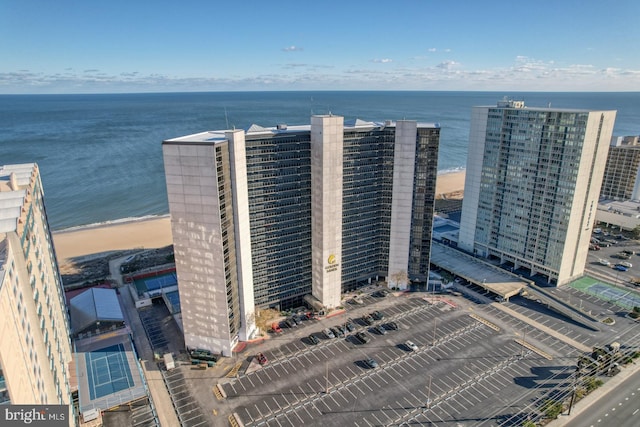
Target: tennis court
156, 282
107, 371
620, 297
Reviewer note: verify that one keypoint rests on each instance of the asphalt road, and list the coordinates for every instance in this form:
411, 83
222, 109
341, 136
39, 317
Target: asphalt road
620, 407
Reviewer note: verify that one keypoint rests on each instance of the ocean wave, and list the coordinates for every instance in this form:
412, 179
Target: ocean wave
127, 220
452, 170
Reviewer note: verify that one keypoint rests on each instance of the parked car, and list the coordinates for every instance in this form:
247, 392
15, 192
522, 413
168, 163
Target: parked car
621, 255
336, 332
296, 320
313, 339
620, 267
289, 323
350, 325
276, 328
626, 264
328, 333
411, 345
379, 329
604, 262
392, 326
380, 294
342, 331
262, 359
362, 337
368, 319
371, 363
377, 315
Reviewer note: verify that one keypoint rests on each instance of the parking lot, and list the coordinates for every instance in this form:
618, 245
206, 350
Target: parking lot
465, 371
622, 278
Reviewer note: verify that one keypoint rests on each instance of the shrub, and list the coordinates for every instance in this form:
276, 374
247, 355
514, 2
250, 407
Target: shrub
552, 409
592, 383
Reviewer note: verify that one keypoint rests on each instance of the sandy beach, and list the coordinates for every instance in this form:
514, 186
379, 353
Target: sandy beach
156, 232
142, 234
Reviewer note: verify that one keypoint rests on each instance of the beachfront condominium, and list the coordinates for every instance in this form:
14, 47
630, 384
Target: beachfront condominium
275, 217
35, 348
532, 185
622, 174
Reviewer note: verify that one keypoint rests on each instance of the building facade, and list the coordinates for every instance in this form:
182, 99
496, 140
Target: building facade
532, 184
35, 348
621, 179
272, 217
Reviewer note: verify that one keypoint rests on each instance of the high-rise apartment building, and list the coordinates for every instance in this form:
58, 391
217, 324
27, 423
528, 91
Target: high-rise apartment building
622, 174
35, 348
532, 184
272, 217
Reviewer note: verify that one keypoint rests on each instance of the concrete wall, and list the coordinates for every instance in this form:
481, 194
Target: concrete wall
242, 233
326, 201
472, 180
402, 203
192, 190
587, 192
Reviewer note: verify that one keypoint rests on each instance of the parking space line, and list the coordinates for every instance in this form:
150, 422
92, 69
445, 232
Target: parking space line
473, 395
339, 393
347, 389
259, 411
249, 379
366, 385
373, 378
306, 409
322, 386
380, 422
330, 396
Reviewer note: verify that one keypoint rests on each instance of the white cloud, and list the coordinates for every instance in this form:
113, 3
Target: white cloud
432, 49
523, 73
382, 61
447, 65
293, 49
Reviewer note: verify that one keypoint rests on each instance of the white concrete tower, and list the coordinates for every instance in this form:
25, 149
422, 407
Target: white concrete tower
326, 201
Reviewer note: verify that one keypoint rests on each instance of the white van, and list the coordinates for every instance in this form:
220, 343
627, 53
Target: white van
626, 264
604, 262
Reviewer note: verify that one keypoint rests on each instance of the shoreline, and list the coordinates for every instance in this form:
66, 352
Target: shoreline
154, 231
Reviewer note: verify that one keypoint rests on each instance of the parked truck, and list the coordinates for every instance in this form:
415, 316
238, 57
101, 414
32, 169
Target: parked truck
169, 363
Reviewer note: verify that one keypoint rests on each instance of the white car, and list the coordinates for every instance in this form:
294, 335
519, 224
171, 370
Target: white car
411, 346
604, 262
626, 264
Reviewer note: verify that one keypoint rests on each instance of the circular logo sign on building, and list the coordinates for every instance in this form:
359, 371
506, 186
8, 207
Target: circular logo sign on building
331, 259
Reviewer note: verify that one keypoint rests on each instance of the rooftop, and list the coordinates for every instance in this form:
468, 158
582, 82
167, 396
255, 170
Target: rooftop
254, 129
520, 105
14, 180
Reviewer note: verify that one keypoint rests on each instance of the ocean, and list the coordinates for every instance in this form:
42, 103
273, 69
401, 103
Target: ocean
100, 156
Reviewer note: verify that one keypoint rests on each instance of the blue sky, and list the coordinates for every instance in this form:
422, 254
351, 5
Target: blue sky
66, 46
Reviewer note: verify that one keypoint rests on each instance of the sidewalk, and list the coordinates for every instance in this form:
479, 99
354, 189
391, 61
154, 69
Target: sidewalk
595, 396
